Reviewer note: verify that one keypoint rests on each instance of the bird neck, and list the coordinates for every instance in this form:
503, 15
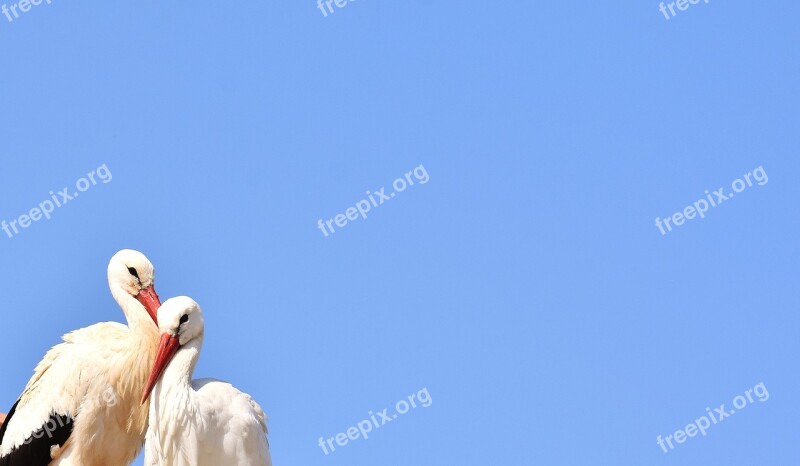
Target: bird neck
173, 399
180, 370
139, 321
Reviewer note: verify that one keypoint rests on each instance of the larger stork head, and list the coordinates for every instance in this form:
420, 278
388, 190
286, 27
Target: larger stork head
180, 321
130, 272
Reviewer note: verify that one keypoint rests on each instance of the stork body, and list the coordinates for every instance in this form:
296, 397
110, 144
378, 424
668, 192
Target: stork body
82, 405
203, 422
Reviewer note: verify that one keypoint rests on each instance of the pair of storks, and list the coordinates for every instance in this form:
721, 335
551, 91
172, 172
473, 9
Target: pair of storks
95, 398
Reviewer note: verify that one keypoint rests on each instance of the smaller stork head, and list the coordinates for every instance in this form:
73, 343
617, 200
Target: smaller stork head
131, 272
180, 322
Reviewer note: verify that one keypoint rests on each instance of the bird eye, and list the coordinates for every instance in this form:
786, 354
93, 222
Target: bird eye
184, 319
134, 272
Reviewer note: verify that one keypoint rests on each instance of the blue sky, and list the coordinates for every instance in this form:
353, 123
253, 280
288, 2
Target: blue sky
525, 285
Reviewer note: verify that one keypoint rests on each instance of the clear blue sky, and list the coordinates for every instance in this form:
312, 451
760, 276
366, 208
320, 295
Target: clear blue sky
525, 285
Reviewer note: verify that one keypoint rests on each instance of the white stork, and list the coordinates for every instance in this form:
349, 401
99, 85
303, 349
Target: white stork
204, 422
82, 405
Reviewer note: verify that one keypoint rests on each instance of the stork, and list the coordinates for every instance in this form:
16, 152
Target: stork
203, 422
81, 407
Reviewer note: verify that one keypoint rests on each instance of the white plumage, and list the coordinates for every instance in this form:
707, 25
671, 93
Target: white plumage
203, 422
82, 405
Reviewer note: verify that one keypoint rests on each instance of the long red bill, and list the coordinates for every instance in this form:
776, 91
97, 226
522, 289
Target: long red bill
167, 348
151, 302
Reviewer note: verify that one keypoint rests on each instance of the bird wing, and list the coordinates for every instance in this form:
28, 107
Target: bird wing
41, 421
236, 417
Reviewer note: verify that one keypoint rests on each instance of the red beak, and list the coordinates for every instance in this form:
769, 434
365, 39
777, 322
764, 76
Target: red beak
149, 299
166, 351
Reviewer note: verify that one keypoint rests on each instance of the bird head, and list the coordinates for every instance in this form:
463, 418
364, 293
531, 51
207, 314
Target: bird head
180, 321
131, 272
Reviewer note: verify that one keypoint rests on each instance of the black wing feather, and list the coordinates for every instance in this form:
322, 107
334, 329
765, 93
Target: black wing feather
36, 449
8, 419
